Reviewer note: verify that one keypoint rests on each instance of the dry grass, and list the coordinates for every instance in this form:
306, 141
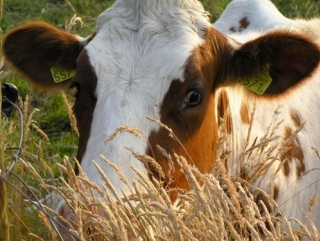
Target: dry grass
223, 208
220, 208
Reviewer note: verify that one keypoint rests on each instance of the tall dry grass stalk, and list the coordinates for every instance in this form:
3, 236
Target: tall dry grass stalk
219, 207
72, 118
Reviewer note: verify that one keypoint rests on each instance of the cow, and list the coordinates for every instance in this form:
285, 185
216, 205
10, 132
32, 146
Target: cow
163, 60
244, 15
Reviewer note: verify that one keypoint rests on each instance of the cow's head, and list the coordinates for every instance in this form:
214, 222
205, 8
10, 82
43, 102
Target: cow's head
158, 62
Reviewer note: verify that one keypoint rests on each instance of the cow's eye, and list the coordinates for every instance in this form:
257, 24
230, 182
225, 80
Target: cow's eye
193, 98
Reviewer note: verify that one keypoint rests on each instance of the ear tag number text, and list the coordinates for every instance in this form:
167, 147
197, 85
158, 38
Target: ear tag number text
258, 84
59, 74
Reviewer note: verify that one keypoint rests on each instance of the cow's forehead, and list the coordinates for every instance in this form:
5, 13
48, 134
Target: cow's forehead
132, 13
135, 49
129, 62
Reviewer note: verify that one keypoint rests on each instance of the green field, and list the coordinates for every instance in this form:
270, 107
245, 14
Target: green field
48, 136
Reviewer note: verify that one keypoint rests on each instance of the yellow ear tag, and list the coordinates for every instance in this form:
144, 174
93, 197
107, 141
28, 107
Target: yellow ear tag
59, 74
258, 84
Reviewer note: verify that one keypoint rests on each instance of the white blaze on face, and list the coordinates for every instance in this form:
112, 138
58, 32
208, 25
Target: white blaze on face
135, 58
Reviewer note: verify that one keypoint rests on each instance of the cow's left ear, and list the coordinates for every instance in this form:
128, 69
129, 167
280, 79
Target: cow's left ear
274, 62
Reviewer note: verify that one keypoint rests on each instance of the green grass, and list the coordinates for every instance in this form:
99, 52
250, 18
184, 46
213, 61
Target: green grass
298, 8
52, 116
57, 13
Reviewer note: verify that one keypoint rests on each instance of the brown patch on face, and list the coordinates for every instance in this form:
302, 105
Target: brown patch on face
197, 131
294, 153
244, 114
295, 118
85, 81
244, 23
223, 110
195, 127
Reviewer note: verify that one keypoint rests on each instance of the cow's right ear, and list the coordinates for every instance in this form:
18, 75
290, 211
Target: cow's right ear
43, 54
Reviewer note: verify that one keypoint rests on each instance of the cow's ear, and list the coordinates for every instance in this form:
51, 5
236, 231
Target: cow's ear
275, 62
45, 55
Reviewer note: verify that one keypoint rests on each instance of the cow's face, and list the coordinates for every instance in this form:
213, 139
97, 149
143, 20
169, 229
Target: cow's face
166, 66
125, 80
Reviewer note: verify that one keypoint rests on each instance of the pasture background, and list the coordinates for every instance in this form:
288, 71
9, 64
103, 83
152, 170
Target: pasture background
48, 135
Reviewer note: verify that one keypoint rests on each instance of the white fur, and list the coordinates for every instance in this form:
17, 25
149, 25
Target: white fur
261, 15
